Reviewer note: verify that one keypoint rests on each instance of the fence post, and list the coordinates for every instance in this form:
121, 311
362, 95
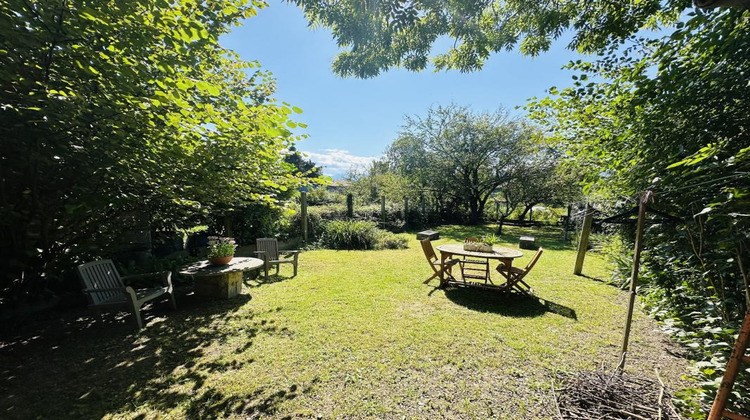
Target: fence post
382, 210
583, 243
406, 211
566, 225
349, 206
422, 204
634, 275
303, 201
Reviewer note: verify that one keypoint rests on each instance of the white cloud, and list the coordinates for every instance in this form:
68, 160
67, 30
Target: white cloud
336, 163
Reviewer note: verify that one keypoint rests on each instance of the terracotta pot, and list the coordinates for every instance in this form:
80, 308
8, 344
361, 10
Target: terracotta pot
220, 260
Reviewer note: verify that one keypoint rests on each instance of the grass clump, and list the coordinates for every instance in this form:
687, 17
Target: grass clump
359, 235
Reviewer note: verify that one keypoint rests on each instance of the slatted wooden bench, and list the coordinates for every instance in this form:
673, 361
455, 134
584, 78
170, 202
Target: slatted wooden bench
106, 289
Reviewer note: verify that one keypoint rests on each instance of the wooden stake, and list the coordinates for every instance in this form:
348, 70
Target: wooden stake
382, 210
349, 206
634, 275
303, 201
583, 243
718, 409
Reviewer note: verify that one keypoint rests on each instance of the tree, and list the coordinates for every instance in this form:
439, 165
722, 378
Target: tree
461, 155
116, 114
542, 180
382, 34
305, 167
670, 116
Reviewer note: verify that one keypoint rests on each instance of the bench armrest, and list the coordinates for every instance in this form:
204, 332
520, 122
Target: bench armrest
165, 277
105, 289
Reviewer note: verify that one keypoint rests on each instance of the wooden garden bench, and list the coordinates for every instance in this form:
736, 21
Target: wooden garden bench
106, 289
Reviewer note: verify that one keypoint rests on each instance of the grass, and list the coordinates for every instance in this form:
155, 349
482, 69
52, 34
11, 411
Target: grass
355, 335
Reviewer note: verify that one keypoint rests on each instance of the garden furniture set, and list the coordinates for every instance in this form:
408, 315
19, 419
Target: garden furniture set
105, 287
474, 265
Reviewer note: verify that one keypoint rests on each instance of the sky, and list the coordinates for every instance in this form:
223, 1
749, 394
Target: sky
352, 121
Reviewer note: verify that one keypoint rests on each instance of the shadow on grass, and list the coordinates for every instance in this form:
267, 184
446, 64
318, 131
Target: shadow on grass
253, 281
546, 237
507, 304
79, 366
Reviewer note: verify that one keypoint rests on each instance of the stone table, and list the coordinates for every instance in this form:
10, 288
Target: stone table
220, 281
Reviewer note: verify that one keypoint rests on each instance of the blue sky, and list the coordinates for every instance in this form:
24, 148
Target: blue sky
352, 121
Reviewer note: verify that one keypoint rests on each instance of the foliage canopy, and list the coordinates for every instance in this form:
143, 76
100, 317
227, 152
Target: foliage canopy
378, 35
116, 115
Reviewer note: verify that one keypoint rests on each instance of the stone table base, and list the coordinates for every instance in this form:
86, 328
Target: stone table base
222, 286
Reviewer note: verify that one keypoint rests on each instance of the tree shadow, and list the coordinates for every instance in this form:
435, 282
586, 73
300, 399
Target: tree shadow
260, 280
75, 365
507, 304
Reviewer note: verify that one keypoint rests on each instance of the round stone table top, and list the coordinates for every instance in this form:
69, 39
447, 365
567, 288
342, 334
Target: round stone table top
204, 268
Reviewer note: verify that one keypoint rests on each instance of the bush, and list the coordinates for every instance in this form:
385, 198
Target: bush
351, 234
348, 234
388, 240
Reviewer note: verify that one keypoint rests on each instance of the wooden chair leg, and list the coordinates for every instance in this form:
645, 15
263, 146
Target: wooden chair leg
430, 279
136, 311
172, 300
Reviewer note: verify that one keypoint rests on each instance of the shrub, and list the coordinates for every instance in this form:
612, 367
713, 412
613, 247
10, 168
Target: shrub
388, 240
352, 234
349, 234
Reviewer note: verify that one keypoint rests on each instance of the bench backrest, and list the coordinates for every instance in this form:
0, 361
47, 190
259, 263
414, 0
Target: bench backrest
100, 275
429, 252
268, 245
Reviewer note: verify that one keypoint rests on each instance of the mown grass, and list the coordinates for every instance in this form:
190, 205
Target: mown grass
355, 335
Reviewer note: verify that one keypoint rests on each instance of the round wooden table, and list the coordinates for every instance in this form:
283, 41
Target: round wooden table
504, 255
220, 281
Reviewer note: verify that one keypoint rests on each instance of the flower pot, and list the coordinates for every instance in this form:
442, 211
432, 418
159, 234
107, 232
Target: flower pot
220, 260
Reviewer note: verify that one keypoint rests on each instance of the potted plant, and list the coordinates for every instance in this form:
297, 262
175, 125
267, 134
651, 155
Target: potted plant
483, 245
220, 250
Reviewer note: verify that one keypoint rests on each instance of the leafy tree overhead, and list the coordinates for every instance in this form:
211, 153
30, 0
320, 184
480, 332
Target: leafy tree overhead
670, 116
464, 155
115, 114
378, 35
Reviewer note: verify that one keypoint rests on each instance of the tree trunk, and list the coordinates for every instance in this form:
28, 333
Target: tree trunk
526, 210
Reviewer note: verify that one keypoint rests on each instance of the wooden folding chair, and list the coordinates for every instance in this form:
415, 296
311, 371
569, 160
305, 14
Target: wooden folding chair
472, 268
434, 261
515, 275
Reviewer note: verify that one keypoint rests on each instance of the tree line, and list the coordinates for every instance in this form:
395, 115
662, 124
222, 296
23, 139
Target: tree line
462, 160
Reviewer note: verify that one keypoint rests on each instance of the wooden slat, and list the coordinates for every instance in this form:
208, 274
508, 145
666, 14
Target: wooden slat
718, 409
733, 416
270, 246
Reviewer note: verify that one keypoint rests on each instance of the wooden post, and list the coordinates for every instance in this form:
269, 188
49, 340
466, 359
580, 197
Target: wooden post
500, 225
583, 243
497, 210
382, 210
634, 275
349, 206
406, 211
566, 225
718, 409
303, 201
422, 204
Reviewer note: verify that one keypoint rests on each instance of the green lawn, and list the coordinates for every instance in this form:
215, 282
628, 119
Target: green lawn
355, 335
